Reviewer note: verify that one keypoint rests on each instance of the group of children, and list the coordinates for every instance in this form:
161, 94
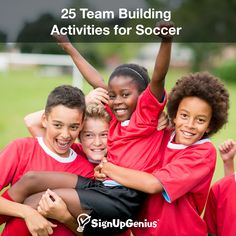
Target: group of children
148, 175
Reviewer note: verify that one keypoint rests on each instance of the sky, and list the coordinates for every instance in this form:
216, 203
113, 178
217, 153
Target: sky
13, 13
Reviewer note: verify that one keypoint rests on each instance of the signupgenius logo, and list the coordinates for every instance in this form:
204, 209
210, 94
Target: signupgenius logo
82, 220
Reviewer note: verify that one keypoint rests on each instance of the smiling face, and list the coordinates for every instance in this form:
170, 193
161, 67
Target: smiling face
62, 126
123, 95
93, 138
192, 120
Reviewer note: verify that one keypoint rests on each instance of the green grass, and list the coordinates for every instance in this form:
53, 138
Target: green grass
24, 91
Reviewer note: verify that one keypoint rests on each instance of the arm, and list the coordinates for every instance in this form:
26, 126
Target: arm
88, 71
36, 223
161, 67
34, 124
227, 153
138, 180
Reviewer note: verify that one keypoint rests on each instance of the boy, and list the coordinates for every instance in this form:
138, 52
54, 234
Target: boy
62, 120
220, 209
198, 107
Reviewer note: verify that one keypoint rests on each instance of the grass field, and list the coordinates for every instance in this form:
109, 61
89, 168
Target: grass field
25, 91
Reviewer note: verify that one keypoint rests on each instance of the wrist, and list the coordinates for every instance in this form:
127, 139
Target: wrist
65, 218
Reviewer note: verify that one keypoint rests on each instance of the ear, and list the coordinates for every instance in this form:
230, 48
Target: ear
44, 120
208, 130
174, 120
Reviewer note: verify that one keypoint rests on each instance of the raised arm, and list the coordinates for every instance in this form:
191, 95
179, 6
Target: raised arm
34, 124
91, 75
161, 66
227, 152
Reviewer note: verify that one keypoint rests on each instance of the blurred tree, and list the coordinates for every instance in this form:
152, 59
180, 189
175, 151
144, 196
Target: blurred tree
3, 40
207, 26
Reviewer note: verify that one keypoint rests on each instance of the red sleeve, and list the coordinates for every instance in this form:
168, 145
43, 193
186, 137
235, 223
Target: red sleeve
149, 108
211, 213
187, 171
9, 161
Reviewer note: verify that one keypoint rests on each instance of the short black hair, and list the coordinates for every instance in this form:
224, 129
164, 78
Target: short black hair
138, 73
204, 86
68, 96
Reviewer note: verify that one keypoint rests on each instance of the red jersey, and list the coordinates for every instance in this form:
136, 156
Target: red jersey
135, 143
186, 175
220, 213
31, 154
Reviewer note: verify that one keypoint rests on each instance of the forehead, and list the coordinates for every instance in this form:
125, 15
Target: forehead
121, 82
95, 124
195, 105
65, 115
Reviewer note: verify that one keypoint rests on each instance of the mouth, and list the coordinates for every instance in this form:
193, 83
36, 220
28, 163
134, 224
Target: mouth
187, 134
120, 111
63, 144
98, 150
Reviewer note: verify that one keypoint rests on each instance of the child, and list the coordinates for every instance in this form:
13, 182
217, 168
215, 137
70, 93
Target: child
197, 106
220, 209
62, 120
132, 130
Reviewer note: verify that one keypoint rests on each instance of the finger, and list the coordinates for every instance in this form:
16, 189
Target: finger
53, 195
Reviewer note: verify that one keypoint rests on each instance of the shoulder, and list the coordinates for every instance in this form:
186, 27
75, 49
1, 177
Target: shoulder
22, 142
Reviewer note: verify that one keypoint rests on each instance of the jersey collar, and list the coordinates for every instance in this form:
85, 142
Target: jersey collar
72, 156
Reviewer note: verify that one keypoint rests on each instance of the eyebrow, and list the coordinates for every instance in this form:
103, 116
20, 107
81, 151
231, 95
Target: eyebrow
63, 122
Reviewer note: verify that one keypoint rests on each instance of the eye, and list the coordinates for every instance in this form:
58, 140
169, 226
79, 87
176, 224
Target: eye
88, 135
104, 135
183, 115
57, 126
74, 127
201, 120
112, 96
125, 95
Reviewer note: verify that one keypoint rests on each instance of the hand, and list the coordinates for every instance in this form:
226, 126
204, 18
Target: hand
98, 96
52, 206
98, 174
163, 121
166, 24
63, 41
37, 224
227, 150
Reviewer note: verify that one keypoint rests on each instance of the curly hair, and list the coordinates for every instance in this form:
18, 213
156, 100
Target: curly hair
138, 73
94, 110
204, 86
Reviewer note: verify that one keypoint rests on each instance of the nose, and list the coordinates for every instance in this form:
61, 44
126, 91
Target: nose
65, 133
97, 140
118, 100
190, 123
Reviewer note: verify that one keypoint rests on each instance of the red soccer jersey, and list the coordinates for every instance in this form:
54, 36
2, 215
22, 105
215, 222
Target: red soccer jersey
31, 154
186, 175
220, 213
135, 143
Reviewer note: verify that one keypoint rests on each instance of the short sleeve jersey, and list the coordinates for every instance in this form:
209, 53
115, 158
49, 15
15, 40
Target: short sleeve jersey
185, 175
221, 207
31, 154
135, 143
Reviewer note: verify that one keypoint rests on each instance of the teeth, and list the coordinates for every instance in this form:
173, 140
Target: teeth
63, 144
97, 150
120, 110
187, 133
